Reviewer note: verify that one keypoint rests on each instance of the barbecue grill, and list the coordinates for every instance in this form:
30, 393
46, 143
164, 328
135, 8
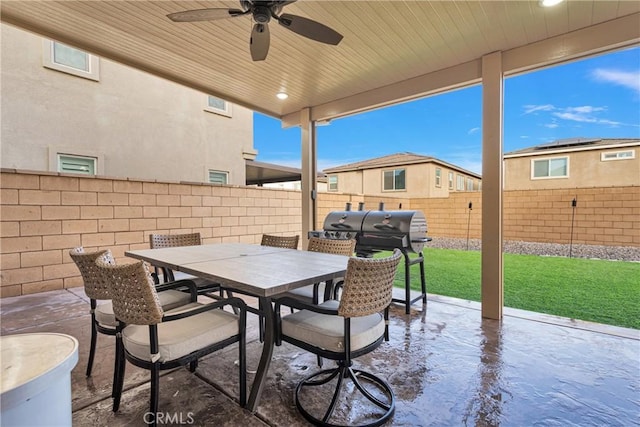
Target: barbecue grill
381, 230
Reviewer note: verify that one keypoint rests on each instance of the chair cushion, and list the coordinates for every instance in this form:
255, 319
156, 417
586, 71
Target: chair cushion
169, 300
199, 281
327, 331
181, 337
305, 293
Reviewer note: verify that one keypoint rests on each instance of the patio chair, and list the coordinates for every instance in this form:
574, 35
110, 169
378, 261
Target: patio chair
154, 339
343, 331
311, 294
102, 317
289, 242
157, 241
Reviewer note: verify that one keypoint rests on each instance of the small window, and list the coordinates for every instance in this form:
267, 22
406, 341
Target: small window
77, 164
550, 168
459, 183
333, 183
218, 106
469, 184
394, 180
70, 60
618, 155
450, 180
438, 177
218, 177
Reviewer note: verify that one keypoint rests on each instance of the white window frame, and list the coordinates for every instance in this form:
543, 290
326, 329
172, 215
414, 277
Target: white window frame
88, 159
619, 155
48, 61
459, 182
330, 185
451, 186
226, 111
469, 184
549, 159
438, 177
394, 179
215, 171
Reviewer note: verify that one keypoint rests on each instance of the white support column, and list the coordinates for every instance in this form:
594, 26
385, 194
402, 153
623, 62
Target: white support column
309, 166
492, 114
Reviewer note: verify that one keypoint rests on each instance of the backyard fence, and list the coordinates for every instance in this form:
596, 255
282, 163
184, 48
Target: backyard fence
45, 214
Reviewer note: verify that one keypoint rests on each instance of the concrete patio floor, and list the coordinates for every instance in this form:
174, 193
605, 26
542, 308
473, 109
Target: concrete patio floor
447, 366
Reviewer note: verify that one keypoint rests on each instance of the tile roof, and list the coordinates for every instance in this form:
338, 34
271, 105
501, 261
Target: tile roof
396, 159
573, 144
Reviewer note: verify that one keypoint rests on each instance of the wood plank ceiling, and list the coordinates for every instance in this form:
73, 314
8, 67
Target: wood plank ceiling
385, 43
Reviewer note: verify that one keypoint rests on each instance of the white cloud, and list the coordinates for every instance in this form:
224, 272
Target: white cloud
528, 109
628, 79
551, 125
585, 109
472, 131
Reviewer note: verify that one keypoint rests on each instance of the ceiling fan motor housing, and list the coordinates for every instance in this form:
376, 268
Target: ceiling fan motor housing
261, 14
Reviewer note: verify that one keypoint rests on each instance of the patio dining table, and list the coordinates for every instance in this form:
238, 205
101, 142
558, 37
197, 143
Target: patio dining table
262, 271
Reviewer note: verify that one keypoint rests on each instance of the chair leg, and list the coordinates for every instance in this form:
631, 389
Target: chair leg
118, 382
92, 348
155, 392
343, 372
193, 365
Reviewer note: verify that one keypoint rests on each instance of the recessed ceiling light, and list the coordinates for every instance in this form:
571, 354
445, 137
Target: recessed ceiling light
549, 3
282, 95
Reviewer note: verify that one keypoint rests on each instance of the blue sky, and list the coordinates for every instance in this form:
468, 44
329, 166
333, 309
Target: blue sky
596, 97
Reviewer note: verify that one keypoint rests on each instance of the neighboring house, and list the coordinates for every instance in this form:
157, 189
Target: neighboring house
574, 163
64, 110
410, 174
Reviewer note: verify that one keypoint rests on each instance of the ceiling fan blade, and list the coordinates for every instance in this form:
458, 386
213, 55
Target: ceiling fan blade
205, 14
259, 42
310, 29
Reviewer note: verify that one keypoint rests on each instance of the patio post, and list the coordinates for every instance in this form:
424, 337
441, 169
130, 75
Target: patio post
309, 167
492, 296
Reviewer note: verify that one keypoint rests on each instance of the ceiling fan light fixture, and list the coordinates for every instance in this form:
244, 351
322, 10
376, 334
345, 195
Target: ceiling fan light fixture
549, 3
282, 95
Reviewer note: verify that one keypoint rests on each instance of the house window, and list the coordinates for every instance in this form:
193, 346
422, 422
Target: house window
618, 155
469, 184
394, 180
459, 183
333, 183
218, 106
557, 167
450, 180
218, 177
77, 164
438, 177
70, 60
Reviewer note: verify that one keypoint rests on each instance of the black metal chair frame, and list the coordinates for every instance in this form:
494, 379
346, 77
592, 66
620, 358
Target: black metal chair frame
191, 359
344, 365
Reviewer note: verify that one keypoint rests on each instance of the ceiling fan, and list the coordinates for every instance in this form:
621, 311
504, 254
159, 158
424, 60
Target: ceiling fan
262, 12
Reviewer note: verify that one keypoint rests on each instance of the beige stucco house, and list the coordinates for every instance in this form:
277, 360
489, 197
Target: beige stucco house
404, 174
64, 110
574, 163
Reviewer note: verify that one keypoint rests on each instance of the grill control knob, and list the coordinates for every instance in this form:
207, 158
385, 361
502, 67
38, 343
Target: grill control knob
347, 235
327, 234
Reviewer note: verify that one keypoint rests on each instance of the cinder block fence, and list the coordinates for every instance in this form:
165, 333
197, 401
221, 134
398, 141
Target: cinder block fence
43, 215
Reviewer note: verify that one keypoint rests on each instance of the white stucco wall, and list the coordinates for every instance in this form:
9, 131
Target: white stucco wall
139, 125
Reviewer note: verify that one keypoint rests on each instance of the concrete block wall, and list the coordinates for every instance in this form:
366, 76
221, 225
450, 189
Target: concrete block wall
44, 215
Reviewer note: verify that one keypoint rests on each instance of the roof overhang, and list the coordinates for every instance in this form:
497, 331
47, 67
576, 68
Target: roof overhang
391, 51
259, 173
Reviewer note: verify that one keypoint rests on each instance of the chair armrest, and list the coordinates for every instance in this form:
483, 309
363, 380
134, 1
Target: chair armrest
301, 305
234, 302
193, 290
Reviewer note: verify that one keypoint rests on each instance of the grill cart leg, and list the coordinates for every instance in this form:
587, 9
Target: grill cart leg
407, 281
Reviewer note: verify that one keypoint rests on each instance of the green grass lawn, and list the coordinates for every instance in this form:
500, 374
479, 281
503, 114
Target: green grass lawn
595, 290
